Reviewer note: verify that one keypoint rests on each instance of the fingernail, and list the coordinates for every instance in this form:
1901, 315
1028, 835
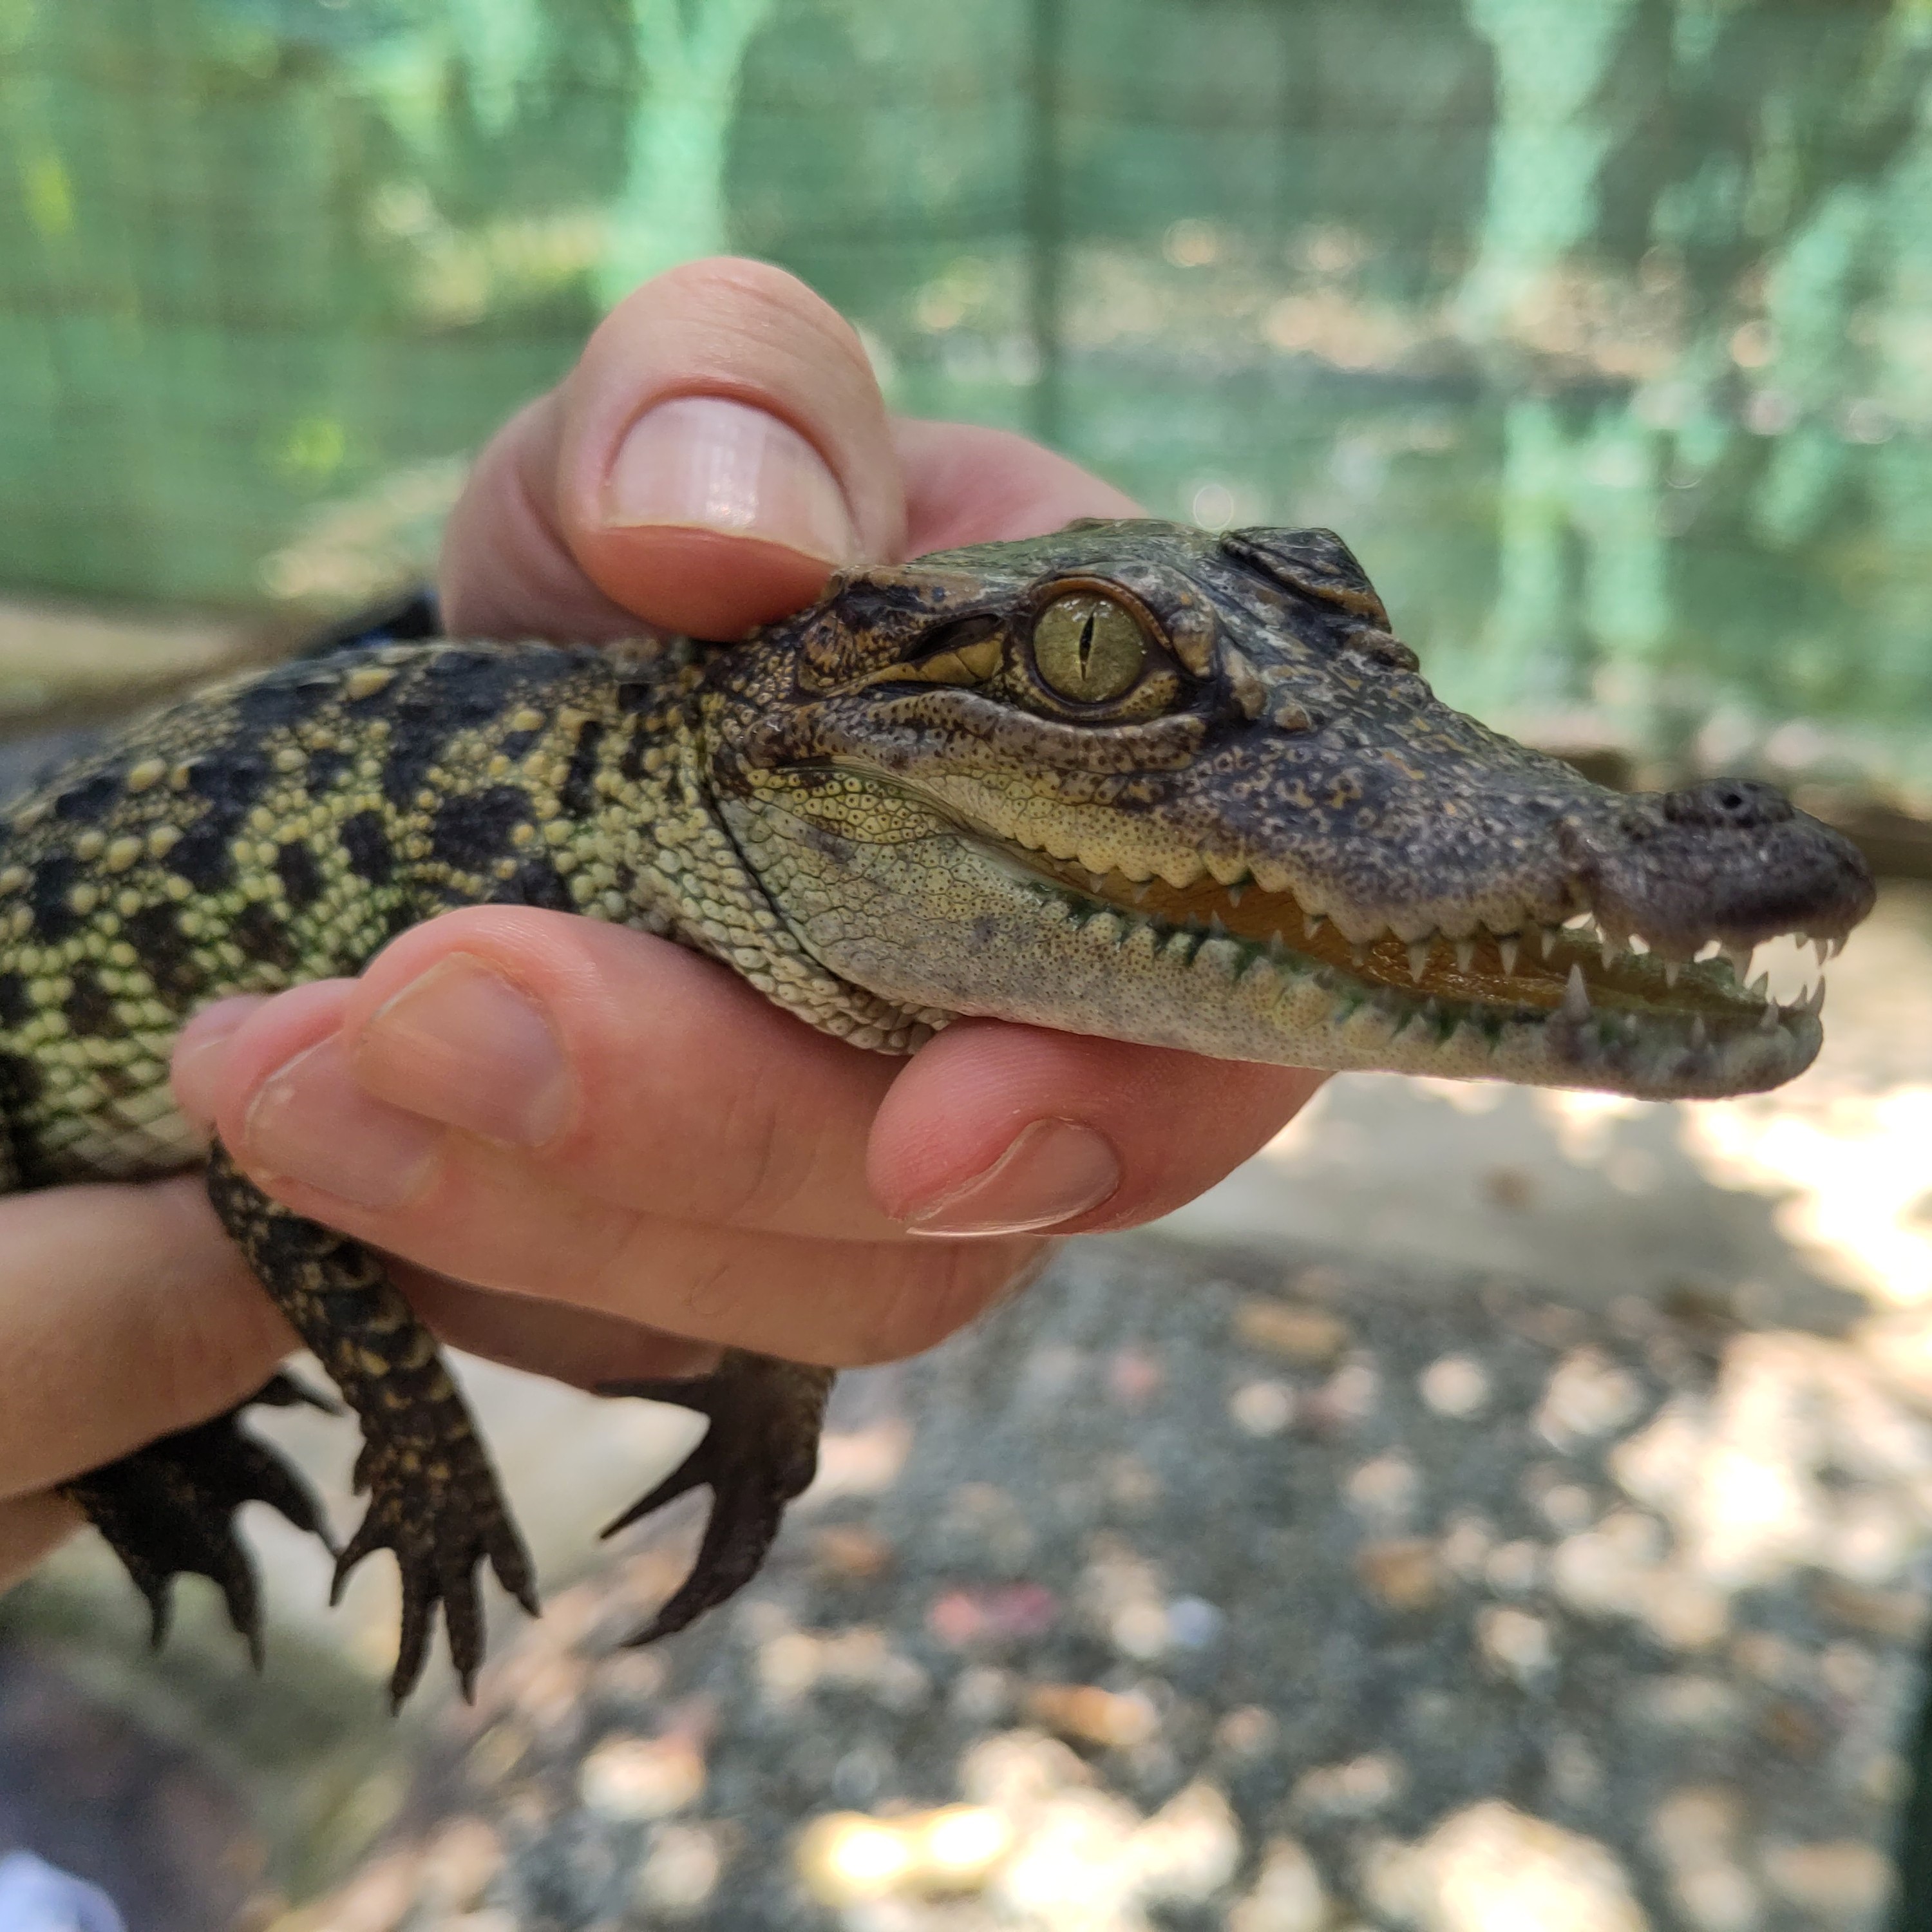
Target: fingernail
310, 1121
464, 1046
719, 465
1054, 1170
200, 1050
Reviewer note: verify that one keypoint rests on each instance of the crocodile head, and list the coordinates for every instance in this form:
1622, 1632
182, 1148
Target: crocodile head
1146, 781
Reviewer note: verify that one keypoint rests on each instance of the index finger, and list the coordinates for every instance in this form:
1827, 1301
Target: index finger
720, 448
626, 1070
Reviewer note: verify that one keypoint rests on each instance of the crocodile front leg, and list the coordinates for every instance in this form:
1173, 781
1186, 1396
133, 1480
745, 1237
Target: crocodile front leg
168, 1509
434, 1498
760, 1452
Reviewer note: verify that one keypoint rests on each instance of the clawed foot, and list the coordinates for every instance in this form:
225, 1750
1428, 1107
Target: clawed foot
168, 1510
761, 1451
437, 1507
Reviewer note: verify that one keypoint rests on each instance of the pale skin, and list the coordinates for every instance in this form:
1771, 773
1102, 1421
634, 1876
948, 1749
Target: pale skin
592, 1154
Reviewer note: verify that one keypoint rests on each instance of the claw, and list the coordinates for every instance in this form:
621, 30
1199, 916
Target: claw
169, 1510
760, 1452
439, 1528
740, 1531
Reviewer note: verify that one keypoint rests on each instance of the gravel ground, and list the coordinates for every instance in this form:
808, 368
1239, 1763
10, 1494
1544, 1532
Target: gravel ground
1198, 1590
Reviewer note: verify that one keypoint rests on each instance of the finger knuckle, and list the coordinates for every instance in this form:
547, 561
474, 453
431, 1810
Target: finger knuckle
928, 1293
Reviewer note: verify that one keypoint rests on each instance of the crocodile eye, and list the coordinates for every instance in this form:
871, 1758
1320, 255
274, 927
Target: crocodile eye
1087, 648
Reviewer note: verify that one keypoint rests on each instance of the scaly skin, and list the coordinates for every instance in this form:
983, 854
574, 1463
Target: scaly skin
1131, 779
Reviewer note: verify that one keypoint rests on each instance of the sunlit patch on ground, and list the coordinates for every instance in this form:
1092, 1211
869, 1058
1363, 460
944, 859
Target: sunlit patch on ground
1039, 1842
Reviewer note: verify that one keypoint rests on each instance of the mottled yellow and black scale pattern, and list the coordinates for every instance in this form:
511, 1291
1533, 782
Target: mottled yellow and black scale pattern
282, 829
279, 830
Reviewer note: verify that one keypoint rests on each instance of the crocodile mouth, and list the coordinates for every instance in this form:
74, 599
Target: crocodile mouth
1606, 1012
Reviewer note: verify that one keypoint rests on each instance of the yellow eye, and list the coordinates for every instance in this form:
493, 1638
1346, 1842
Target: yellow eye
1088, 648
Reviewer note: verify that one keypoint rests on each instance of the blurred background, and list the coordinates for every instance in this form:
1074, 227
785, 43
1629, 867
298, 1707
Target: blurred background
1602, 330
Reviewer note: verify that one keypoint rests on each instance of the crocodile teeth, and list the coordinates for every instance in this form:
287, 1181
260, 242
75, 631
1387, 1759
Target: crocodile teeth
1760, 987
1672, 967
1235, 891
1816, 1004
1220, 956
1418, 958
1546, 938
1769, 1022
1466, 953
1359, 953
1699, 1033
1506, 949
1738, 959
1575, 997
1822, 947
1313, 922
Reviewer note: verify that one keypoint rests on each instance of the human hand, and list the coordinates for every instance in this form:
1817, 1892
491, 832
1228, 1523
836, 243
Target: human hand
597, 1154
126, 1313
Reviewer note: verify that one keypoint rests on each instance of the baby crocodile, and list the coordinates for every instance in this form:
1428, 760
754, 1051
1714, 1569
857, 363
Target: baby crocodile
1131, 779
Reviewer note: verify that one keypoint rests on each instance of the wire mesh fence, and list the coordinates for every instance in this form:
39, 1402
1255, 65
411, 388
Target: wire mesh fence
1603, 329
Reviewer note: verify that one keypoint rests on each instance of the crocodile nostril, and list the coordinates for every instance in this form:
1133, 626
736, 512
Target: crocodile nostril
1738, 804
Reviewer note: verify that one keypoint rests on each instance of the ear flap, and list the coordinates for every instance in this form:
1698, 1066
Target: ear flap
873, 615
1317, 563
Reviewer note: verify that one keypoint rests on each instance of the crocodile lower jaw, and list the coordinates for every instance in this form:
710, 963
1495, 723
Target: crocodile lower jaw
1549, 1006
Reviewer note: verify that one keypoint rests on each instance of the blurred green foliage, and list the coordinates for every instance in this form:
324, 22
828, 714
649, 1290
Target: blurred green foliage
1602, 328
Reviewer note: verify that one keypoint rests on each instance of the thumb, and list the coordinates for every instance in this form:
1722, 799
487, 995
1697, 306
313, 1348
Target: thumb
720, 448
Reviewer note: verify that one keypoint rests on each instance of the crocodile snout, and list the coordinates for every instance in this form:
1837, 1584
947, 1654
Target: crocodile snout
1730, 860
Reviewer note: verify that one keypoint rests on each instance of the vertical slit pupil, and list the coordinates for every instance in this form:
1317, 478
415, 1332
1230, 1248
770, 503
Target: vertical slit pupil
1086, 644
